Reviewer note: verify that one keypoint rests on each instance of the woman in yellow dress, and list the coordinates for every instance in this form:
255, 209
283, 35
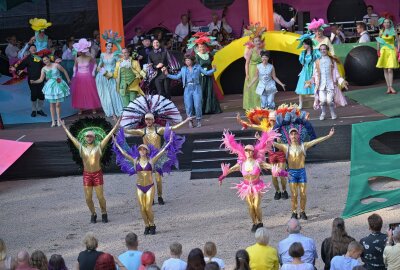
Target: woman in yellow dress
387, 52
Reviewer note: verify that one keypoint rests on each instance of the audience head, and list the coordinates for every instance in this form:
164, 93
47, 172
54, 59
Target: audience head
184, 18
396, 234
12, 40
361, 27
242, 260
39, 260
131, 241
262, 236
370, 9
375, 222
195, 260
23, 258
90, 241
153, 267
175, 249
148, 258
138, 31
3, 250
293, 226
354, 250
214, 17
32, 48
105, 262
210, 249
214, 32
338, 228
57, 262
296, 250
212, 266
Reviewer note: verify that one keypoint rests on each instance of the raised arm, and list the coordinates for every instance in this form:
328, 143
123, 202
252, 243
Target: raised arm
110, 134
174, 77
319, 140
62, 69
281, 146
123, 152
134, 132
181, 124
70, 136
162, 150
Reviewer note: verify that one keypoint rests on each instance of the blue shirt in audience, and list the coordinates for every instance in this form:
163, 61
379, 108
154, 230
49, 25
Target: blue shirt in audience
343, 263
310, 251
131, 259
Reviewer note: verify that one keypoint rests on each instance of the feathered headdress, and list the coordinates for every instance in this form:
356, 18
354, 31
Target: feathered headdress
253, 31
163, 109
100, 127
290, 116
260, 117
390, 31
316, 24
111, 37
39, 24
200, 38
305, 36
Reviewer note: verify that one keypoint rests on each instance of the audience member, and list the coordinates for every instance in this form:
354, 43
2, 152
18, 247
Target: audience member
336, 244
374, 244
296, 251
310, 251
6, 261
182, 29
280, 22
148, 258
217, 24
39, 260
262, 256
57, 262
210, 251
337, 36
391, 253
212, 266
196, 260
106, 261
350, 259
87, 258
138, 33
67, 54
371, 19
12, 50
23, 261
131, 258
174, 263
362, 32
242, 260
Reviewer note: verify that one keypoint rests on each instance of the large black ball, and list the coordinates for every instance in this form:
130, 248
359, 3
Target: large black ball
360, 66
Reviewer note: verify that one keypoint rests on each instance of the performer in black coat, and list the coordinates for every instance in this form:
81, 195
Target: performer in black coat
158, 59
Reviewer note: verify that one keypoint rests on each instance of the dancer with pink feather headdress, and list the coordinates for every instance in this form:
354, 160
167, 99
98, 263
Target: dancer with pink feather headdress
251, 161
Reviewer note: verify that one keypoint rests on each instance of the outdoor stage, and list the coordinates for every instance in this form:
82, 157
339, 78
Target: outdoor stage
49, 156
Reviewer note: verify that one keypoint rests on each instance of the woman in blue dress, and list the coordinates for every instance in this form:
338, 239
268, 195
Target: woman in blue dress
105, 82
55, 89
307, 59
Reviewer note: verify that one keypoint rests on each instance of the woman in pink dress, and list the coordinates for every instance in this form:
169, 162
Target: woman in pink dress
83, 86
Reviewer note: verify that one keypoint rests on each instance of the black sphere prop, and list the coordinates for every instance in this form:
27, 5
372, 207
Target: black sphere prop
360, 66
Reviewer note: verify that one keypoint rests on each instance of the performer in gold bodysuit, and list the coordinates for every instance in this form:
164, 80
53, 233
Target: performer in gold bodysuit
275, 157
152, 135
91, 154
296, 155
143, 167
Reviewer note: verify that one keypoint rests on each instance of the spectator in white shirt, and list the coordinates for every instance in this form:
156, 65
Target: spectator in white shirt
216, 24
280, 22
371, 19
182, 29
138, 33
361, 30
174, 263
210, 250
67, 54
12, 50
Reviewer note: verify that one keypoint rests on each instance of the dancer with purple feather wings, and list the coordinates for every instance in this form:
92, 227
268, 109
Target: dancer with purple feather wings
143, 160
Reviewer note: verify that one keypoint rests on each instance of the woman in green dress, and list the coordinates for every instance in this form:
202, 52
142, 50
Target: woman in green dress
253, 58
210, 102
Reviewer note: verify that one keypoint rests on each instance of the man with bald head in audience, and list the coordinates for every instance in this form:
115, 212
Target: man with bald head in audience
23, 261
310, 251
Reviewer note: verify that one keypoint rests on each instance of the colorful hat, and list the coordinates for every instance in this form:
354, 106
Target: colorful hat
253, 31
39, 24
83, 45
200, 38
111, 37
317, 25
304, 37
387, 32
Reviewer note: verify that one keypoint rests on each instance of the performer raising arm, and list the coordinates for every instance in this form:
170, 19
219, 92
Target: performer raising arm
295, 152
91, 153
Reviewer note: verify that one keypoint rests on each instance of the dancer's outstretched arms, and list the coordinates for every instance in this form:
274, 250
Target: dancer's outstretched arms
123, 152
266, 166
135, 132
162, 150
70, 136
319, 140
226, 170
106, 139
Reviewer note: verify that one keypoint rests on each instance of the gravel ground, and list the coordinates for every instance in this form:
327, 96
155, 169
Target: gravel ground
51, 214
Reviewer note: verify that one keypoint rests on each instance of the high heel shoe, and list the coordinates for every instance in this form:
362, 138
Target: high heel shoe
53, 124
59, 123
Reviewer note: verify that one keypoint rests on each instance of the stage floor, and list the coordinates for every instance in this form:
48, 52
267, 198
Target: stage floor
353, 113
